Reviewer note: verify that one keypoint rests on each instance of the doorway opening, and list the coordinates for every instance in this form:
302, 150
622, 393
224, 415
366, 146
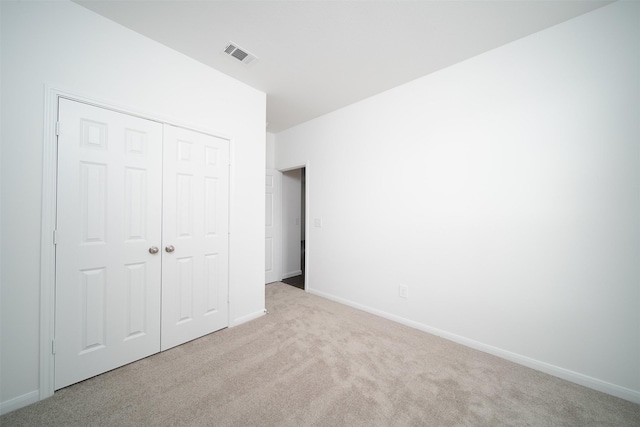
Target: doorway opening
293, 230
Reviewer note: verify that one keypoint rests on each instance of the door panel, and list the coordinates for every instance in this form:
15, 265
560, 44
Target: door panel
109, 215
272, 226
195, 271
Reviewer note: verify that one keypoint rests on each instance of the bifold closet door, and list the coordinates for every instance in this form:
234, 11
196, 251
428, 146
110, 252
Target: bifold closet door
195, 235
142, 239
109, 222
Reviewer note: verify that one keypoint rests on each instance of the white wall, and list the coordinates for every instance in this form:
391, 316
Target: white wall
291, 223
271, 151
504, 192
65, 46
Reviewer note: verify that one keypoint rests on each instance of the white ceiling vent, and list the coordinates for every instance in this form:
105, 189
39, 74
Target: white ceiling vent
239, 53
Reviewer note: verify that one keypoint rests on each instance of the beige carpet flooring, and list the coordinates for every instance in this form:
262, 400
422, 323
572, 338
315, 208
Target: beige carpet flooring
313, 362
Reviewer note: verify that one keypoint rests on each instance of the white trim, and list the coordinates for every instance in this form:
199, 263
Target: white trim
307, 226
231, 197
244, 319
48, 219
556, 371
47, 248
19, 402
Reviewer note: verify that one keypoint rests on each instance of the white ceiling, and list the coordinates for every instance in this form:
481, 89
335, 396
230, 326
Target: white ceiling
318, 56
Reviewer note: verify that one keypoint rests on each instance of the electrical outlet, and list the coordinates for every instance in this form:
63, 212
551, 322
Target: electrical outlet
403, 291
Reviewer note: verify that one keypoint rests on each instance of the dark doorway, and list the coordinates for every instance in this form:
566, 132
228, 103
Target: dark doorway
297, 281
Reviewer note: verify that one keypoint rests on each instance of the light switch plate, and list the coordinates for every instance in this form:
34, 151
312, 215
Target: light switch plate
317, 222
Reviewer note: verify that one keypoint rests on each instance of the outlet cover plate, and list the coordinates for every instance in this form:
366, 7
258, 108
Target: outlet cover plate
403, 291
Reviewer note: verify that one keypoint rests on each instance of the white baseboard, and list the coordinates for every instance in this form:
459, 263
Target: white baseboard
243, 319
556, 371
291, 274
19, 402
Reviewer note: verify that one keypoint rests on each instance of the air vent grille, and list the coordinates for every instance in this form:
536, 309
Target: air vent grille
239, 53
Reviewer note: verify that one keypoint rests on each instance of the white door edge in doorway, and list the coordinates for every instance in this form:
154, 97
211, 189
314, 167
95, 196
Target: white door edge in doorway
273, 226
48, 211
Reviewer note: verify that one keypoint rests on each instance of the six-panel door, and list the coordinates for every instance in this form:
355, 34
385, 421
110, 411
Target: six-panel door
196, 235
108, 284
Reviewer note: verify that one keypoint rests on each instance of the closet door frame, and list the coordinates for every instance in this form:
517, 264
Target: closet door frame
48, 219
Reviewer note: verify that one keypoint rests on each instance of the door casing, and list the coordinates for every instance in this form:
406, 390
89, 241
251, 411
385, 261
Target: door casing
308, 284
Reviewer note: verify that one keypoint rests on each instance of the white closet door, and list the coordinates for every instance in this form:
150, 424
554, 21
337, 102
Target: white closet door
195, 235
108, 283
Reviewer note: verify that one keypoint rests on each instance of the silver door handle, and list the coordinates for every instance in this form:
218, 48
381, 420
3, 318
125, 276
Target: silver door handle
170, 248
153, 250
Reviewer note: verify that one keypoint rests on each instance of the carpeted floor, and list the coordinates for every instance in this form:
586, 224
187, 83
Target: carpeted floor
313, 362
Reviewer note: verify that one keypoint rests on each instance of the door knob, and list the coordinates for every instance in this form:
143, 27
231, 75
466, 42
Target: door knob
170, 248
153, 250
